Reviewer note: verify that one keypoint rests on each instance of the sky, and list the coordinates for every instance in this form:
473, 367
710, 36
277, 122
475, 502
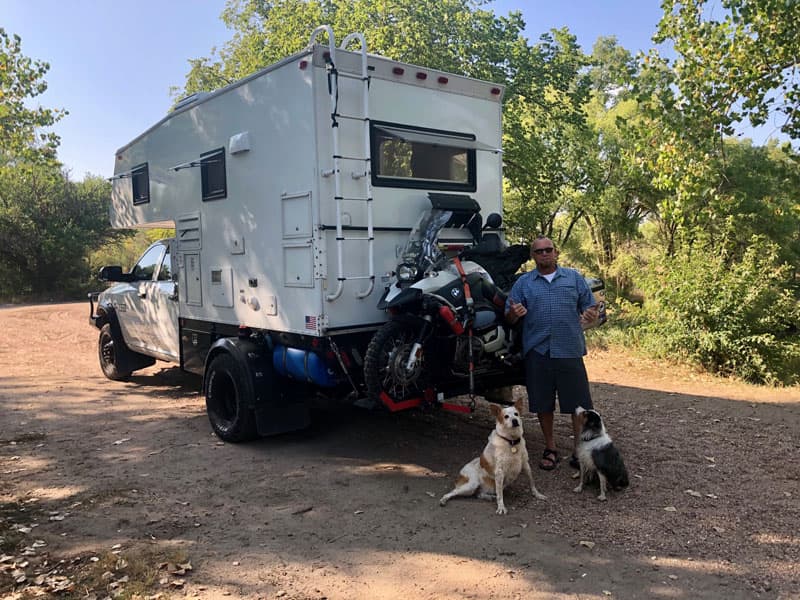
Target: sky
112, 62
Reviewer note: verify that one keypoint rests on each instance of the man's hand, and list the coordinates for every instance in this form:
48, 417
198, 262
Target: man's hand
590, 315
515, 312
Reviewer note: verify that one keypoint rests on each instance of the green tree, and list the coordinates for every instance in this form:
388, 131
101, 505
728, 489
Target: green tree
735, 319
740, 66
546, 138
21, 78
760, 194
48, 226
455, 35
619, 194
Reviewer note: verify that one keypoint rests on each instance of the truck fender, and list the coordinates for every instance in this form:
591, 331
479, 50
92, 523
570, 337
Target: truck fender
106, 313
279, 403
253, 359
127, 358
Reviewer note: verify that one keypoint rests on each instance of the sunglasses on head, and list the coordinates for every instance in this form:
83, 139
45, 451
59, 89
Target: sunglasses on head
547, 250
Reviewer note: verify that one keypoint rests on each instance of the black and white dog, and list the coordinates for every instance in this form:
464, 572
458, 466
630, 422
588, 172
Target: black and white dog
597, 453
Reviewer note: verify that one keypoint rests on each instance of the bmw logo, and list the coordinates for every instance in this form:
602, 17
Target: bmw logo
455, 292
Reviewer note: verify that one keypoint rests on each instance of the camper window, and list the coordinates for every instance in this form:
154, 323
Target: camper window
212, 174
405, 156
140, 181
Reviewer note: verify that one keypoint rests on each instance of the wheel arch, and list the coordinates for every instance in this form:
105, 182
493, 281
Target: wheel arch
252, 358
277, 407
106, 313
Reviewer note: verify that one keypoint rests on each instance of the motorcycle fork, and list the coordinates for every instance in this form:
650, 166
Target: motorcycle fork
416, 348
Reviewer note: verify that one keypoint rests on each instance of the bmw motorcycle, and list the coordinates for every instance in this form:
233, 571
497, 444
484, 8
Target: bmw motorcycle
446, 334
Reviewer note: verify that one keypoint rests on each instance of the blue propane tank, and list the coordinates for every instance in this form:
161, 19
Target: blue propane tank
302, 365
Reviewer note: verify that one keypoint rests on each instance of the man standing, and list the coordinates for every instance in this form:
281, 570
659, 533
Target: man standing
554, 302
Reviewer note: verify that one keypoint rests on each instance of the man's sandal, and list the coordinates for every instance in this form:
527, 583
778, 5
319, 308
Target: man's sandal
549, 460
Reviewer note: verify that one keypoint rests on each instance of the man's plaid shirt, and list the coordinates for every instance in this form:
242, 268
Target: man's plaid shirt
554, 308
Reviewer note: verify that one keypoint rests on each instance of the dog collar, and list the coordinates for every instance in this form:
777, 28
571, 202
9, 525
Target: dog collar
512, 442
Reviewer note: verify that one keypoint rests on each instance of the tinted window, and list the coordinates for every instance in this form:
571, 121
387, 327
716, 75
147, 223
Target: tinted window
212, 174
165, 273
140, 181
146, 267
404, 156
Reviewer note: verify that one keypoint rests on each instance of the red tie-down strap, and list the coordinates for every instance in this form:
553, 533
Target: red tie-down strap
468, 298
461, 408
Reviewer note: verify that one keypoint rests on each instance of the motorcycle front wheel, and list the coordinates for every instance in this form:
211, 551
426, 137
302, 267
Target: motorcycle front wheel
386, 360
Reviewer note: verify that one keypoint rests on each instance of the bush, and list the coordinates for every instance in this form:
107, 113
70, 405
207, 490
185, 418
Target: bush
737, 319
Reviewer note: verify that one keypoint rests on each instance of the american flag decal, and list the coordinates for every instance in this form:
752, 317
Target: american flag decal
311, 322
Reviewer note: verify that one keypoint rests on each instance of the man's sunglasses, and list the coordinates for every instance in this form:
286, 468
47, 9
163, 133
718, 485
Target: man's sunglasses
543, 250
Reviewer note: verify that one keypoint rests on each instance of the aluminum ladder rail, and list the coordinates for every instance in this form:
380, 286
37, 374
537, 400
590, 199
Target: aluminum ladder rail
366, 175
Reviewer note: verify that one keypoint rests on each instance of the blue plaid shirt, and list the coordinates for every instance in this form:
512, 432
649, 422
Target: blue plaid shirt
552, 322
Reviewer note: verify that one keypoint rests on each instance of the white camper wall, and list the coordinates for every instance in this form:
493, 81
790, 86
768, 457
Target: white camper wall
240, 258
470, 108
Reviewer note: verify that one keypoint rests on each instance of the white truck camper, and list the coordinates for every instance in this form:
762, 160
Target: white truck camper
324, 211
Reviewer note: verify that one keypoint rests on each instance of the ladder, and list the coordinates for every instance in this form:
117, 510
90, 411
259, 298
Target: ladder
364, 175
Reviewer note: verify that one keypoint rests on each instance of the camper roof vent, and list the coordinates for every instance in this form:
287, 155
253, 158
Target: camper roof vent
190, 99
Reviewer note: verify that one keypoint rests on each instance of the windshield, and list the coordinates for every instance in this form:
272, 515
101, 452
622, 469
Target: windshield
421, 249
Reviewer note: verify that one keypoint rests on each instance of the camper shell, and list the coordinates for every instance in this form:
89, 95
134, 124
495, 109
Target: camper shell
292, 193
245, 175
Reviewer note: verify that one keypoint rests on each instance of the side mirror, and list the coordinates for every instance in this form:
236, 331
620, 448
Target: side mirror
493, 221
113, 273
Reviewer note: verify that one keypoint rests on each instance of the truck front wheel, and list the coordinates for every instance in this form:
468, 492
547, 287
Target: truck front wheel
109, 350
227, 400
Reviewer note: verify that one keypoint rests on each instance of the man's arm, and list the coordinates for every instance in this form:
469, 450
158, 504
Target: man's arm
587, 306
515, 304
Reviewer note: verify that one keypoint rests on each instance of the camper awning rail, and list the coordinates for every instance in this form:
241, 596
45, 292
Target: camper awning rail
436, 139
203, 160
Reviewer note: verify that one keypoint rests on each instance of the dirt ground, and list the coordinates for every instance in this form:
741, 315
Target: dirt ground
121, 490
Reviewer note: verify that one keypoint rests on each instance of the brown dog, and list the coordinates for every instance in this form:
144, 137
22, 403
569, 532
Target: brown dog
501, 462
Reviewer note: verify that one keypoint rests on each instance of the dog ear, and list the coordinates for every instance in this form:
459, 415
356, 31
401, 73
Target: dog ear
496, 410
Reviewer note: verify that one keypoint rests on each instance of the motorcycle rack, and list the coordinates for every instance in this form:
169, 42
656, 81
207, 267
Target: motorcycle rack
428, 398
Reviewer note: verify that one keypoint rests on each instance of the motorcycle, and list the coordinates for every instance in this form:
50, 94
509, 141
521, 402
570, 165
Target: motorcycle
446, 334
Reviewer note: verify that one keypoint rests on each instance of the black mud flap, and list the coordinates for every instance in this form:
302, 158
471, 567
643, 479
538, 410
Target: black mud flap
284, 406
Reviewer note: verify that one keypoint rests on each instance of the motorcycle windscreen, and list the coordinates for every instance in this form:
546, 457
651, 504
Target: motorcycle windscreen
422, 249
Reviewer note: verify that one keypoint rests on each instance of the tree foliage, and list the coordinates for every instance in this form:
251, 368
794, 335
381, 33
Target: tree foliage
21, 79
735, 319
48, 226
454, 35
739, 65
546, 139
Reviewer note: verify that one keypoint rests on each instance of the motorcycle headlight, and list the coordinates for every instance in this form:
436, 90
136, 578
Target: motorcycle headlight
406, 272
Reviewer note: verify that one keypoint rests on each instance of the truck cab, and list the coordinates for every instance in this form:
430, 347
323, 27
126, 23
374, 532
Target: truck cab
143, 305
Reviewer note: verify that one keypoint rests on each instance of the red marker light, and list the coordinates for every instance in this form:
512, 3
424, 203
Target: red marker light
495, 91
398, 70
443, 80
303, 64
422, 76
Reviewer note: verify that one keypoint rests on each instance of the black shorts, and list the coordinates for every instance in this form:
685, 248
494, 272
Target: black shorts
545, 377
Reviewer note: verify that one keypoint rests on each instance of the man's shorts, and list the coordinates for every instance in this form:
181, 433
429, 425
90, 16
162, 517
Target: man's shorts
547, 377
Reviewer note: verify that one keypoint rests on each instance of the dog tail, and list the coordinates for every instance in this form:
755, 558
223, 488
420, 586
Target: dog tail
622, 481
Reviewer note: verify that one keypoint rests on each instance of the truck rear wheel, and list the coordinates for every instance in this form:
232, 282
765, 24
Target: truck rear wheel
110, 349
228, 403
